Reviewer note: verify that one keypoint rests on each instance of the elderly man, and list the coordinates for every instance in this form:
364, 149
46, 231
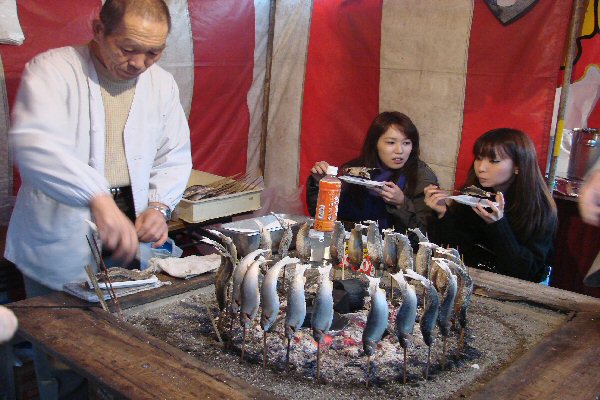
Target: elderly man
98, 134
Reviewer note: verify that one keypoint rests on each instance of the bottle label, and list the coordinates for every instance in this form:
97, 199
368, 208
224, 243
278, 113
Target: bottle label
327, 206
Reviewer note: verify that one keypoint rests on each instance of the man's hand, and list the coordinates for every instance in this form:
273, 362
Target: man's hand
589, 200
151, 226
114, 228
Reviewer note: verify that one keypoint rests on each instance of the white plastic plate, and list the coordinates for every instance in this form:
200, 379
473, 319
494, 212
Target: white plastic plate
470, 200
360, 181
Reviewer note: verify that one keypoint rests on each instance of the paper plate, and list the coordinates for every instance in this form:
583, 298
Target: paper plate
470, 200
362, 182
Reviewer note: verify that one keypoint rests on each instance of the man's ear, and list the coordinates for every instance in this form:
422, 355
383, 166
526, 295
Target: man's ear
97, 28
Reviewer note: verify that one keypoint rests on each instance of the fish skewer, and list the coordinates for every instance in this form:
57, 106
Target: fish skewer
296, 307
355, 246
322, 312
303, 241
463, 299
338, 238
222, 278
430, 313
270, 299
250, 298
377, 321
266, 243
405, 253
406, 315
375, 246
447, 305
286, 240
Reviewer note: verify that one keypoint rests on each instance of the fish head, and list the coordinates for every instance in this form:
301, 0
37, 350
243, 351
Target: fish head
373, 284
399, 278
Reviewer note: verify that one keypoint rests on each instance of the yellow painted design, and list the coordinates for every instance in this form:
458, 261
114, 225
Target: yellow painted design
558, 140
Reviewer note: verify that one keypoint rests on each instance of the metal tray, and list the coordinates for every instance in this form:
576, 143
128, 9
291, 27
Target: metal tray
246, 236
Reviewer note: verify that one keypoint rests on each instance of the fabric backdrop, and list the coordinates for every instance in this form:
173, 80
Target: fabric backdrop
452, 66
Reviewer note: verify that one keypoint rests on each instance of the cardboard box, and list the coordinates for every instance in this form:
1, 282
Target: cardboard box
216, 207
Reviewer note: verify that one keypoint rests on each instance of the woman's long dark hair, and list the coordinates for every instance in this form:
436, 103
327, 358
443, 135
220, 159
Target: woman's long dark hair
369, 157
529, 204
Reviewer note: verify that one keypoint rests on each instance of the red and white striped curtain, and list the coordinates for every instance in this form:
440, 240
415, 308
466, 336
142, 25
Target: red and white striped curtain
452, 66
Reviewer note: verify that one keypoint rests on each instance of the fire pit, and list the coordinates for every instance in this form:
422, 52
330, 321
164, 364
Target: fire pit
498, 332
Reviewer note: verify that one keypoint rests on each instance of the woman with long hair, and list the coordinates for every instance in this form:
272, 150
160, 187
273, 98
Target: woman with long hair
391, 149
513, 235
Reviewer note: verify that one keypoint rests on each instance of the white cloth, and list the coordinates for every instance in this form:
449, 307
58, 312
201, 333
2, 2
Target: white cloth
186, 267
10, 28
57, 138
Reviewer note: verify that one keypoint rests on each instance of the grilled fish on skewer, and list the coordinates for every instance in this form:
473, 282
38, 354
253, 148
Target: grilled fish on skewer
228, 243
322, 311
355, 246
406, 314
303, 241
374, 245
296, 306
238, 276
250, 294
430, 314
286, 238
417, 231
377, 321
266, 243
268, 295
224, 273
463, 298
405, 253
390, 249
446, 306
270, 299
423, 258
250, 298
338, 238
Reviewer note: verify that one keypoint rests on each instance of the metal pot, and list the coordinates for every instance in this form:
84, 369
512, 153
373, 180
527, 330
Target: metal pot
585, 150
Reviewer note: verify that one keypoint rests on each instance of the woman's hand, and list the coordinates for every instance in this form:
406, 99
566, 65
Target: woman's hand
435, 198
497, 211
391, 194
320, 168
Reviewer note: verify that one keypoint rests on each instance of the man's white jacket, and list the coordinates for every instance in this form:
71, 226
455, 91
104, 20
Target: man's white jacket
57, 139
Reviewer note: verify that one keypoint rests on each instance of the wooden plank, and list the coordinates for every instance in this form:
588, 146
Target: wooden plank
505, 287
564, 365
176, 286
124, 359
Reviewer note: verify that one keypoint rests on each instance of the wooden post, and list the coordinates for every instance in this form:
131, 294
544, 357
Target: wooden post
579, 7
267, 88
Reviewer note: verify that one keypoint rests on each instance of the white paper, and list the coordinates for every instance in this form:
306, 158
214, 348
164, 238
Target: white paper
124, 284
470, 200
360, 181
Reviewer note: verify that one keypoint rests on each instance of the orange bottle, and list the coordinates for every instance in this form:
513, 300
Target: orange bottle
328, 201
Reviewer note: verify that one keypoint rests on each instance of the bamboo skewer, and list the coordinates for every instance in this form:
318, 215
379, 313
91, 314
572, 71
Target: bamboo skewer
102, 268
94, 281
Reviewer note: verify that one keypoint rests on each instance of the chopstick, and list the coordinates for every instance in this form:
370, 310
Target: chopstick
96, 286
102, 268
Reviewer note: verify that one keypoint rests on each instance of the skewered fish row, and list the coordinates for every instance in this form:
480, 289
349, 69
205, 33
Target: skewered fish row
444, 301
